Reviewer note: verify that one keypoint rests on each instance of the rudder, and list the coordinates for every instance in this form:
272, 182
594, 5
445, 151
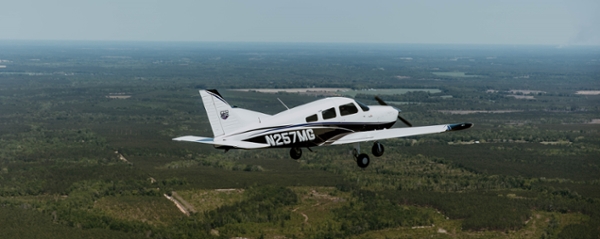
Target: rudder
220, 114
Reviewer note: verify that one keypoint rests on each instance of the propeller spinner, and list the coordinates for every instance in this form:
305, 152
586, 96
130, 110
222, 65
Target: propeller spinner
381, 102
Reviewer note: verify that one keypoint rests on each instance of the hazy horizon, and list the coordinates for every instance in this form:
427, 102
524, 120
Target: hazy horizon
463, 22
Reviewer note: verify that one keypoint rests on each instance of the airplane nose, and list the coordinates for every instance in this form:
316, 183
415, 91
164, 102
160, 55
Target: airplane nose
400, 117
388, 114
381, 102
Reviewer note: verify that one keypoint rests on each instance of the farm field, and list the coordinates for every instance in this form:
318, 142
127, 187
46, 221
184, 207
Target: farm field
454, 74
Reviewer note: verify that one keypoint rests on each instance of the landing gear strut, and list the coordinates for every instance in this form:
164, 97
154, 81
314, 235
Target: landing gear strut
362, 160
295, 153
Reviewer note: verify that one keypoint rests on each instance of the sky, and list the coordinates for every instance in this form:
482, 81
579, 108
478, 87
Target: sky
532, 22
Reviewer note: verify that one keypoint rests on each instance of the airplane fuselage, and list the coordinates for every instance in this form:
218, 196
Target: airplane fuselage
332, 118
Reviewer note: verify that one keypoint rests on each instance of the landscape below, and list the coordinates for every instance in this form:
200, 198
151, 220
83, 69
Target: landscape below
86, 149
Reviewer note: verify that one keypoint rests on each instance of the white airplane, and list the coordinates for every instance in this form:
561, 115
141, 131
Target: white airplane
329, 121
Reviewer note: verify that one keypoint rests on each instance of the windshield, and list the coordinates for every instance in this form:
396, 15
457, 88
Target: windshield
362, 106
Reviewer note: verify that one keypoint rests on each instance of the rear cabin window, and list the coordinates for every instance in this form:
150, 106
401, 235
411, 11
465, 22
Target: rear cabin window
312, 118
348, 109
329, 113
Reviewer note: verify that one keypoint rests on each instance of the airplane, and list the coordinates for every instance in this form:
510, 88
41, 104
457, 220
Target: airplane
328, 121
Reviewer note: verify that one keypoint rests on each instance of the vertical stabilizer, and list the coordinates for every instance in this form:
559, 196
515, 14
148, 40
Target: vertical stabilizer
220, 114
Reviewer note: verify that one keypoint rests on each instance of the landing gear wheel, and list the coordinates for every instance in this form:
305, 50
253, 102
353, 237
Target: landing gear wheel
363, 160
377, 149
295, 153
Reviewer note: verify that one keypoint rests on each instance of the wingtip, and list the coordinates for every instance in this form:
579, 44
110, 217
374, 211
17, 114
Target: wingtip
177, 139
460, 126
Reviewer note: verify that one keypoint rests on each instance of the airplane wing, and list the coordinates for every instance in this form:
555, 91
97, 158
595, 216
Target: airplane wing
398, 133
228, 144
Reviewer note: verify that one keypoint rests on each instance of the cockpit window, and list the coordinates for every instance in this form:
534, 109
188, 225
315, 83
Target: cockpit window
329, 113
312, 118
362, 106
348, 109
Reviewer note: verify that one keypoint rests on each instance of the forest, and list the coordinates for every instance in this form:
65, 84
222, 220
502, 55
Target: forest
86, 149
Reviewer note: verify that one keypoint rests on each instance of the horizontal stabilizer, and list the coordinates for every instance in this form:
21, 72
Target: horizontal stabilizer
196, 139
226, 144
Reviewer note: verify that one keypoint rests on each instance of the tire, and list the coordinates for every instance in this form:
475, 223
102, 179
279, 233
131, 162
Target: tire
296, 153
363, 160
377, 149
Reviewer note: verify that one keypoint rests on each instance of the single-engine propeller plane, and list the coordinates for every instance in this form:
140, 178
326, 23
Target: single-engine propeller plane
328, 121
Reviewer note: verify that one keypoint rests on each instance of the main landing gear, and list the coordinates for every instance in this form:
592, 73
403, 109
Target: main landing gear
296, 153
362, 160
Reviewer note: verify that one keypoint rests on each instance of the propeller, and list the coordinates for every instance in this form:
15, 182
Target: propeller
381, 102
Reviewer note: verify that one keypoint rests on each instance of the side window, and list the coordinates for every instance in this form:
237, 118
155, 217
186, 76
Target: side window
329, 113
312, 118
348, 109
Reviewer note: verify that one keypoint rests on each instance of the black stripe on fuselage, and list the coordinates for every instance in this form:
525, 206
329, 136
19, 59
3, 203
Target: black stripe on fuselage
354, 126
323, 133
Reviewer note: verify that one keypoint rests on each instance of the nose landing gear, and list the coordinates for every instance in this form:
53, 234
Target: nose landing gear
377, 149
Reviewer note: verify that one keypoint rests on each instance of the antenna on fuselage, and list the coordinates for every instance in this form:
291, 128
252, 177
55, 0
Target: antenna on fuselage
283, 103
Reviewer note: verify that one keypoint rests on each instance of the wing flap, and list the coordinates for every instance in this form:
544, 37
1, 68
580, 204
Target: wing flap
398, 133
235, 144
